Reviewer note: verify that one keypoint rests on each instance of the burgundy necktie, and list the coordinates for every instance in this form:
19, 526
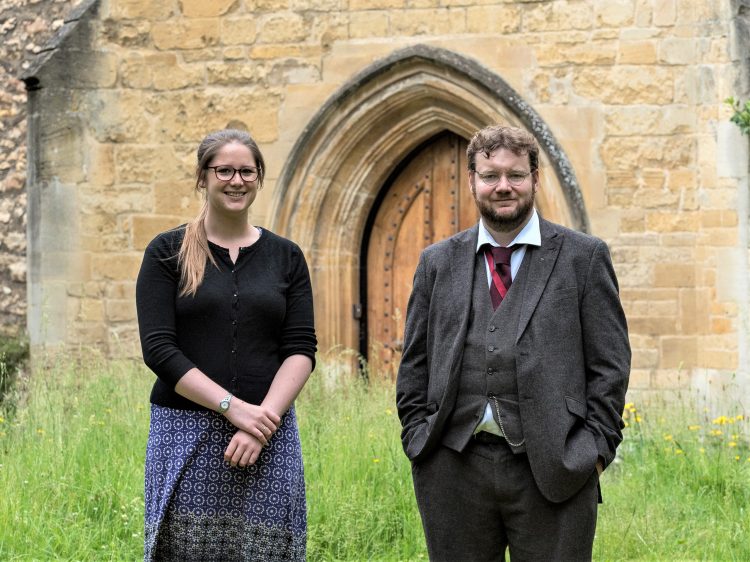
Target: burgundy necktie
499, 261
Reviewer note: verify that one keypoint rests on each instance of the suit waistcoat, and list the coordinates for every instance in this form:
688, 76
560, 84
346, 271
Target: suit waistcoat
488, 368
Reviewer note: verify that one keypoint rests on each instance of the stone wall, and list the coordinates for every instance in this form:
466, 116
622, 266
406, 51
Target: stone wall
25, 27
632, 89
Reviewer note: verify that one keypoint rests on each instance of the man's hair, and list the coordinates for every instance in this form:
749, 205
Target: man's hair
494, 137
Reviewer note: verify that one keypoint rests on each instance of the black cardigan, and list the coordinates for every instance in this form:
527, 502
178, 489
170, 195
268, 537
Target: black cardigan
244, 320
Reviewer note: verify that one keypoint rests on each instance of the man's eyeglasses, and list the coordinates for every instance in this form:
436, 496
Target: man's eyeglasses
515, 179
226, 173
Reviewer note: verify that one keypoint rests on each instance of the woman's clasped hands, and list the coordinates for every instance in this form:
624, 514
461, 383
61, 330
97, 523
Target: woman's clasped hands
256, 425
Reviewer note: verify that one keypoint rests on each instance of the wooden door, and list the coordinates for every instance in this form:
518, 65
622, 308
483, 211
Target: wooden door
428, 201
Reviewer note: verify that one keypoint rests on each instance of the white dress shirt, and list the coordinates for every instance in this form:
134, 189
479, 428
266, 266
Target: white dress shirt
529, 235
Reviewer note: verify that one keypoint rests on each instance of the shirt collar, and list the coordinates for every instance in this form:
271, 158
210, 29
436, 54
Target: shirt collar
530, 234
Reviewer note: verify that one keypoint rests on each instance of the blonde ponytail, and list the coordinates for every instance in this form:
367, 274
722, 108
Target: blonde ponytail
194, 250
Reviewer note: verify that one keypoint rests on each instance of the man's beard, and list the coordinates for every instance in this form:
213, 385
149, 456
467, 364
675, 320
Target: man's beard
507, 223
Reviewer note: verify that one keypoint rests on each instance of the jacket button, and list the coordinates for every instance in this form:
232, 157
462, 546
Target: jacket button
492, 328
491, 348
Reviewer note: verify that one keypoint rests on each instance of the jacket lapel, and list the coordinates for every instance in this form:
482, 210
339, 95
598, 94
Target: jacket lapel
462, 256
542, 263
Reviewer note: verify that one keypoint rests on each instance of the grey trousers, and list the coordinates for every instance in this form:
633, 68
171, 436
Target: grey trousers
479, 503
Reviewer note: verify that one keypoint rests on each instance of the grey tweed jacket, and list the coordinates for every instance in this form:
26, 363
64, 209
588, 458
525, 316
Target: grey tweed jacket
572, 353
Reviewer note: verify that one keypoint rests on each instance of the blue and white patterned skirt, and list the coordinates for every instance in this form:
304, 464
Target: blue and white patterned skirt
199, 508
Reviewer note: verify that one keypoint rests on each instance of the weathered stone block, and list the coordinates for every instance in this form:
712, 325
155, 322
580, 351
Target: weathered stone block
678, 352
119, 116
637, 52
146, 227
204, 9
177, 77
120, 290
674, 275
120, 310
720, 325
368, 24
504, 18
100, 169
719, 359
664, 13
144, 163
677, 51
659, 221
236, 73
90, 310
186, 34
234, 53
238, 30
117, 267
694, 311
626, 84
555, 16
652, 325
282, 28
592, 53
434, 22
614, 13
632, 153
140, 9
649, 120
187, 116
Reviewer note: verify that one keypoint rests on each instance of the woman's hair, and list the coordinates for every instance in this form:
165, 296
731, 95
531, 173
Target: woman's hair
194, 250
489, 139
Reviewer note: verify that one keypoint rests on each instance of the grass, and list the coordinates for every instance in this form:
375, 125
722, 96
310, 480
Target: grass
71, 474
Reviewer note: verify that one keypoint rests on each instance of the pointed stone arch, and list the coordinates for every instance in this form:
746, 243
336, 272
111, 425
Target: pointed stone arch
353, 143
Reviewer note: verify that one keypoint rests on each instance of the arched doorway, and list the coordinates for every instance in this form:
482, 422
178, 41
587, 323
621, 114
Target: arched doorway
427, 200
337, 169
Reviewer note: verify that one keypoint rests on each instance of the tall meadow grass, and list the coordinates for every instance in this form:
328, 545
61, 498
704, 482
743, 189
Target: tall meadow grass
72, 444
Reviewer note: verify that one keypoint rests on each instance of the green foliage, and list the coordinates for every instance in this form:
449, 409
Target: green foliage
741, 116
14, 356
71, 474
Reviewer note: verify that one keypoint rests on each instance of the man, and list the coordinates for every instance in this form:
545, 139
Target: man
513, 374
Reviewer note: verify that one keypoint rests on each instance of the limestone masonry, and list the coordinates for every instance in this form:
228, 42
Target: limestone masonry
631, 91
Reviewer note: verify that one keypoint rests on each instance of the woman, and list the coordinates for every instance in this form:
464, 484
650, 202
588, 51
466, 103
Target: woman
226, 322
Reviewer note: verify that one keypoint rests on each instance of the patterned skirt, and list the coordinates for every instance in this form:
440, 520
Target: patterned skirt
199, 508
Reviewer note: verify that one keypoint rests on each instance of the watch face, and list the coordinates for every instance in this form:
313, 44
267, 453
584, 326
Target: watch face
224, 405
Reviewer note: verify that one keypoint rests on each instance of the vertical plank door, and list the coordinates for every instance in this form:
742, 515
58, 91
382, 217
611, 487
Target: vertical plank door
427, 202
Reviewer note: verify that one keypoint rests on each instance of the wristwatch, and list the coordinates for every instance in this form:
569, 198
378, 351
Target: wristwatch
224, 404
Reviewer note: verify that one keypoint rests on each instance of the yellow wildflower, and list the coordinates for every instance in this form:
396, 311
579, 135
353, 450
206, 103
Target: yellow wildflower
638, 419
678, 451
739, 417
376, 460
694, 427
2, 419
702, 451
716, 432
668, 437
722, 420
627, 424
388, 411
732, 444
40, 431
737, 458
